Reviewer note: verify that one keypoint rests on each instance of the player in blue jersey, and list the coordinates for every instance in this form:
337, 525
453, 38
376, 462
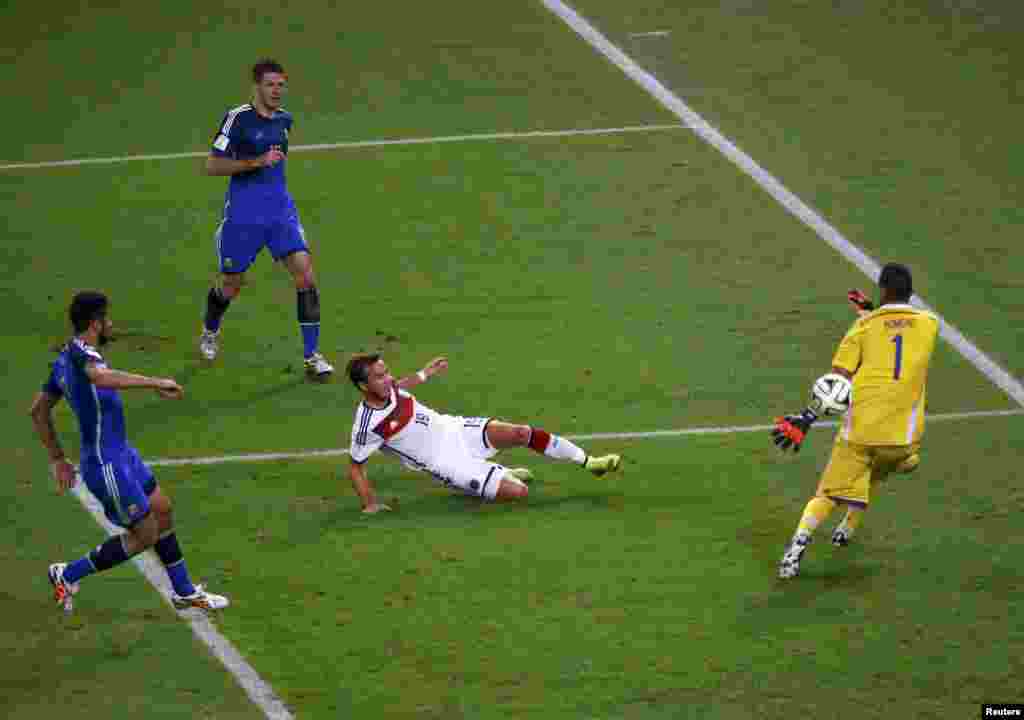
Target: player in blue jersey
251, 147
111, 468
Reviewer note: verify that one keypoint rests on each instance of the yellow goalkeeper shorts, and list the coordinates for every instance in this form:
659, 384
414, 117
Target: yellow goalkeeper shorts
854, 468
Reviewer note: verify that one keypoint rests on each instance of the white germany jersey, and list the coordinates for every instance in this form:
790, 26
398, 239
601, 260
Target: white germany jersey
406, 428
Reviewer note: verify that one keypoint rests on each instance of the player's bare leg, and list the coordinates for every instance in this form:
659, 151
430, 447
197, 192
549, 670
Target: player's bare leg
300, 266
503, 435
217, 302
511, 488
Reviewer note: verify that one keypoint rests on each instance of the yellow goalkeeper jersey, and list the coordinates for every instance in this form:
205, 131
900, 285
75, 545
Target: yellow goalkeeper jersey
888, 351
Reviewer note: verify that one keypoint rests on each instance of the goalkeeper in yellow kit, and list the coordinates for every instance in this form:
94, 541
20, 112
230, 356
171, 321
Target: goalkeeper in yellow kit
886, 355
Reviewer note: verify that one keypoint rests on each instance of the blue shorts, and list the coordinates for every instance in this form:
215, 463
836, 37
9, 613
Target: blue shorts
122, 483
238, 244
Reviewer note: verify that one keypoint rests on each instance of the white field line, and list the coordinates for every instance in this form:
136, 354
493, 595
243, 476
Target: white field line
641, 435
355, 144
652, 33
796, 207
255, 687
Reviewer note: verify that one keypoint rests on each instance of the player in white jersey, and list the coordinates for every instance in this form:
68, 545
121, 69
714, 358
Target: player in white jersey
455, 450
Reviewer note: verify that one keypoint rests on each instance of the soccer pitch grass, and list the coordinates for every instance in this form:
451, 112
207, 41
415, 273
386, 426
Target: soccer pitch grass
587, 284
648, 595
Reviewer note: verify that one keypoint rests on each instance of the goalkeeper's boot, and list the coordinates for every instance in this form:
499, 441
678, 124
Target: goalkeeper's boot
789, 566
208, 345
908, 465
199, 599
603, 464
62, 591
317, 367
523, 475
841, 535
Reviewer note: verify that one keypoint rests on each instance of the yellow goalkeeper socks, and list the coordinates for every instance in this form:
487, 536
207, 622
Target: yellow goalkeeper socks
816, 511
852, 520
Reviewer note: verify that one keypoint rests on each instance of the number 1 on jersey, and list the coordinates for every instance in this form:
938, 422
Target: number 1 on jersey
899, 356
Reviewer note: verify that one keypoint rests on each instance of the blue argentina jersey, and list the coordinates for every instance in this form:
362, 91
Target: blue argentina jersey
258, 196
99, 411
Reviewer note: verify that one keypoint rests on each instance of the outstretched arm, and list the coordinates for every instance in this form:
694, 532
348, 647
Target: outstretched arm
42, 418
364, 489
105, 377
435, 366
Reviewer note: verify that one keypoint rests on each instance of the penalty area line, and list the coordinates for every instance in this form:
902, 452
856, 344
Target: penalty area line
261, 694
639, 435
356, 144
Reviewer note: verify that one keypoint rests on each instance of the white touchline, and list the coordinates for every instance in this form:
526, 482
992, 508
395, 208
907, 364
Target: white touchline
640, 435
255, 687
355, 144
796, 207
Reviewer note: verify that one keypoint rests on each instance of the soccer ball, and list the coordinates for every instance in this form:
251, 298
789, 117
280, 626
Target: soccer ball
831, 394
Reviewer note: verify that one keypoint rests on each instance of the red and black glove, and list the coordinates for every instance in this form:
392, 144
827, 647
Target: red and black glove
860, 300
790, 430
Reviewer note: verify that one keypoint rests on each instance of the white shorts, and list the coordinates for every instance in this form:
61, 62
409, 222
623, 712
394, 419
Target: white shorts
474, 436
465, 465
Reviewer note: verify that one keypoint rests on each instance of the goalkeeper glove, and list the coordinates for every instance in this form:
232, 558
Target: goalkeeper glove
791, 430
860, 301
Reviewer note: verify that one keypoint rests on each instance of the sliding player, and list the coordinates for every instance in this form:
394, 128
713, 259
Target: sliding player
455, 450
886, 353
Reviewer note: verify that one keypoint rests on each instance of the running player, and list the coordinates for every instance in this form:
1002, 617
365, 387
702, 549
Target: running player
887, 354
456, 451
112, 469
251, 146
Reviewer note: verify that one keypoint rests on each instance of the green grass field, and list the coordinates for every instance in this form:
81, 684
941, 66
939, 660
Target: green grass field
586, 284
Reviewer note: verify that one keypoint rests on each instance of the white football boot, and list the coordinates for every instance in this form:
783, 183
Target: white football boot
841, 535
208, 345
199, 599
789, 566
62, 591
317, 367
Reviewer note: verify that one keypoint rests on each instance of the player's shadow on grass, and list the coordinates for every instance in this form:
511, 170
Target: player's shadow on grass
849, 575
832, 575
452, 505
824, 592
428, 508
